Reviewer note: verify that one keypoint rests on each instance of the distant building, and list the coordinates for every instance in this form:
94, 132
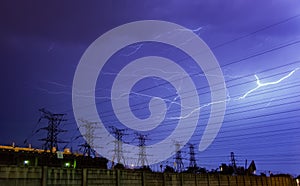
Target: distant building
23, 156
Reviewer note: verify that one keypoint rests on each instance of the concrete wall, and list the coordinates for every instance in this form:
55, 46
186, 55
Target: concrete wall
49, 176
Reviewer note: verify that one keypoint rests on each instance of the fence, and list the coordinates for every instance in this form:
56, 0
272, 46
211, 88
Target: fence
48, 176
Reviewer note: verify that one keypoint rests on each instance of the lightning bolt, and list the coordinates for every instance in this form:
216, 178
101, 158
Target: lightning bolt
259, 84
193, 30
53, 92
136, 49
139, 46
198, 29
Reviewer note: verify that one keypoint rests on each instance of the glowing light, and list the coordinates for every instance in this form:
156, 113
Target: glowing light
67, 164
259, 84
26, 162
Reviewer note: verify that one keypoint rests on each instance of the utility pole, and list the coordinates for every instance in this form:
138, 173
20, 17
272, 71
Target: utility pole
178, 158
142, 160
53, 129
118, 151
89, 137
192, 156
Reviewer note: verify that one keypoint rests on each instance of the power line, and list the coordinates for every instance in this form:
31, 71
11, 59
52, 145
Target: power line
284, 87
103, 116
276, 105
259, 30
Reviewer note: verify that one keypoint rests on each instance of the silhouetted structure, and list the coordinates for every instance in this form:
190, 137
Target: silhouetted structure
142, 160
118, 150
233, 162
193, 162
169, 169
178, 158
88, 146
53, 129
252, 168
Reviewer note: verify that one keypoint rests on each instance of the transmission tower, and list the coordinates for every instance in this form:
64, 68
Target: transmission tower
53, 129
178, 158
88, 146
233, 161
192, 156
118, 151
142, 160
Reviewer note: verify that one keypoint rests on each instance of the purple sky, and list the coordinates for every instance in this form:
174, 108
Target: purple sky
41, 44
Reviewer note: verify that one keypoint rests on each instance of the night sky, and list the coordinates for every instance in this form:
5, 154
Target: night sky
42, 42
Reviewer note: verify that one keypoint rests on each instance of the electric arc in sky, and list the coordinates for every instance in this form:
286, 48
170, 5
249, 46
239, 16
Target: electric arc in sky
259, 84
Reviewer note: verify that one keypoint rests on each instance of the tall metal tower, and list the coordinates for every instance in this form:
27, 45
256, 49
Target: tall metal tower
142, 160
118, 150
53, 129
233, 161
192, 156
178, 158
88, 146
